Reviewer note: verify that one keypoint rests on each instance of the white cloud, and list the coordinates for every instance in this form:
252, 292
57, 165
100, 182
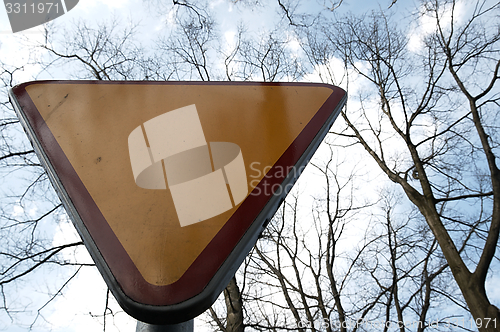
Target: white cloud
216, 3
427, 23
492, 288
82, 306
230, 36
66, 233
4, 23
293, 44
16, 50
85, 295
17, 210
333, 72
87, 5
169, 18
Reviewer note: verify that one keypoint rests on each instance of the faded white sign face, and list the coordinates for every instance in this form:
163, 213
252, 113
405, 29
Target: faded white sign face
170, 151
25, 14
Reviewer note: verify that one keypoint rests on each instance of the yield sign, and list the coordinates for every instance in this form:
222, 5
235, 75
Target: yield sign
170, 183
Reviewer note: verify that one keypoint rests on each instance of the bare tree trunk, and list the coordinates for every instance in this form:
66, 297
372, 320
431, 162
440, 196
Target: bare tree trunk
234, 306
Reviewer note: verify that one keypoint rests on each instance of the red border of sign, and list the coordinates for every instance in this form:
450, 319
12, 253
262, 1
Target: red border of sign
199, 274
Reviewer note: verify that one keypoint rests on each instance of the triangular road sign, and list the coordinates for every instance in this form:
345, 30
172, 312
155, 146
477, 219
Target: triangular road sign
171, 183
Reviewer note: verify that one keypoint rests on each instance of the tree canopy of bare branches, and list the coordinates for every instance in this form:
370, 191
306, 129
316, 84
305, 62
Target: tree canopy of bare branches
401, 228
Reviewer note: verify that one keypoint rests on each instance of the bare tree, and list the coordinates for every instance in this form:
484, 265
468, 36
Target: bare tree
189, 47
30, 209
299, 276
27, 210
427, 119
429, 136
462, 57
104, 52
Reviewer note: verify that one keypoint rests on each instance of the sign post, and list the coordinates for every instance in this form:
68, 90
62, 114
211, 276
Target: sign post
170, 184
181, 327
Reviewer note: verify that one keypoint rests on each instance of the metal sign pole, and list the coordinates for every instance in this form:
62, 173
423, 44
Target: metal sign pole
181, 327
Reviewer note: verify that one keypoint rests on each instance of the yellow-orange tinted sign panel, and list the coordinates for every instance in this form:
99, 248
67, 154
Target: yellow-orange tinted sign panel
167, 177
